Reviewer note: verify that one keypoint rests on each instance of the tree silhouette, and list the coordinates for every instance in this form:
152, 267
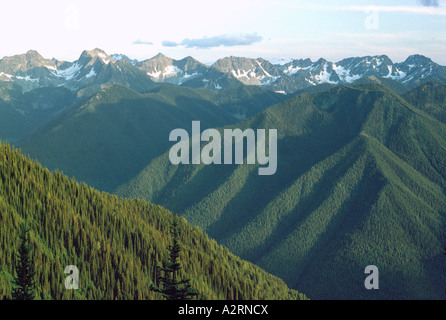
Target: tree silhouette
23, 283
173, 288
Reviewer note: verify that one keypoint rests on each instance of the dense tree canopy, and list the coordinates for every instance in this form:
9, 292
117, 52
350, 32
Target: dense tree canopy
115, 243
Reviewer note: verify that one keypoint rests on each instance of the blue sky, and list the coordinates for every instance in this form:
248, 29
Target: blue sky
208, 30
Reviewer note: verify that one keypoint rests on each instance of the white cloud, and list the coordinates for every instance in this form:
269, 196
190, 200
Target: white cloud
226, 40
430, 10
429, 3
139, 41
167, 43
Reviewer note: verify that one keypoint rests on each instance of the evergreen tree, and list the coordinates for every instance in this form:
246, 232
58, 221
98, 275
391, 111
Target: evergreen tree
173, 288
24, 283
115, 242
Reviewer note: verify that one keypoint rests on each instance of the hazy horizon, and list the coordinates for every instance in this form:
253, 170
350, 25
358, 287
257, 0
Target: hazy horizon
273, 60
209, 31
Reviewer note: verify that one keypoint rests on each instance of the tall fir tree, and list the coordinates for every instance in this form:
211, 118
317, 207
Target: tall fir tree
24, 283
171, 287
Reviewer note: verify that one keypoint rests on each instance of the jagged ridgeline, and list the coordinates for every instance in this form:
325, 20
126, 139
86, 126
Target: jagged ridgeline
115, 243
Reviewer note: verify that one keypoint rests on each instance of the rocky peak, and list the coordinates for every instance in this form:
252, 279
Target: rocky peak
89, 57
34, 55
418, 60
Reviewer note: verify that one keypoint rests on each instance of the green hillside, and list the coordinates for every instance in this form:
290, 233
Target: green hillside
109, 138
431, 98
395, 86
361, 180
21, 113
115, 243
245, 101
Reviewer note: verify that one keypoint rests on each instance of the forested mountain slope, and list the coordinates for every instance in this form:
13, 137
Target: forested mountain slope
113, 135
431, 98
115, 243
361, 180
109, 138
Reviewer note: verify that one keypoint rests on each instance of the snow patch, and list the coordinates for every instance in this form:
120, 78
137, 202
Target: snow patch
242, 74
292, 70
117, 57
267, 81
51, 68
27, 78
352, 78
324, 76
68, 73
9, 76
187, 76
399, 74
310, 68
92, 73
378, 61
408, 79
264, 71
345, 74
154, 74
104, 58
311, 82
171, 71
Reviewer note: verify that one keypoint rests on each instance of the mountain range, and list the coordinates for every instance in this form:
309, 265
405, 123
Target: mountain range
294, 75
95, 67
